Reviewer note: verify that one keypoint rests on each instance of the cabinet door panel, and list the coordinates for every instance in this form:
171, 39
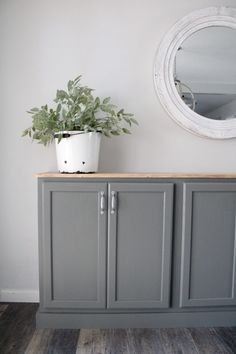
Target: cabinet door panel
140, 232
74, 241
208, 252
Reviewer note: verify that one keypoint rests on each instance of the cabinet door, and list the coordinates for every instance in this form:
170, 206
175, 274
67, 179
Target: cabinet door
73, 245
208, 250
139, 255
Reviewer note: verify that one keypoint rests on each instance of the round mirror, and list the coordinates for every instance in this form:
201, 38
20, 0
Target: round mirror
195, 72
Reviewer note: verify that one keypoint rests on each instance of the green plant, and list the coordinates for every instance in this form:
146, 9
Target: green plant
77, 109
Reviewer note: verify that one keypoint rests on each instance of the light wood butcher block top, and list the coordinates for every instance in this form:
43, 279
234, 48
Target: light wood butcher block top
135, 175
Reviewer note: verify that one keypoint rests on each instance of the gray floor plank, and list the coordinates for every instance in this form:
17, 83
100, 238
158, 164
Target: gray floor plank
117, 341
64, 341
177, 341
208, 342
40, 342
49, 341
134, 340
3, 307
227, 336
146, 341
92, 341
17, 325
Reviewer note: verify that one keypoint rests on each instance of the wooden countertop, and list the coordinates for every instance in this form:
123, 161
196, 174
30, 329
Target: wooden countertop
135, 175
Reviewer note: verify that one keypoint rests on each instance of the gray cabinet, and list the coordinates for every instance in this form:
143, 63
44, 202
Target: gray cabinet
139, 253
208, 271
136, 252
73, 246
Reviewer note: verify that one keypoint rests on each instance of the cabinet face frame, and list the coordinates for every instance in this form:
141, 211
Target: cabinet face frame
45, 245
189, 190
166, 190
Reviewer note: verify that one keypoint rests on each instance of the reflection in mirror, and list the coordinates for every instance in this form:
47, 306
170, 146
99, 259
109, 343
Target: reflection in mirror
205, 72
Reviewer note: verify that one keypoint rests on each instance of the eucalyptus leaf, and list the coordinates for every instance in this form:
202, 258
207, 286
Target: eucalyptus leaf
115, 132
25, 132
106, 100
126, 131
133, 120
35, 109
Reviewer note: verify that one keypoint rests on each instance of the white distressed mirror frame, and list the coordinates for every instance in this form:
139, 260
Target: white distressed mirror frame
164, 72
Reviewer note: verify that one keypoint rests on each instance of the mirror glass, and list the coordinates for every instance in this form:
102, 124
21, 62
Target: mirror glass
205, 72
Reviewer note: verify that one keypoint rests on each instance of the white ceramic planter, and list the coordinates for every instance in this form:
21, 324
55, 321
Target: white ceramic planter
79, 152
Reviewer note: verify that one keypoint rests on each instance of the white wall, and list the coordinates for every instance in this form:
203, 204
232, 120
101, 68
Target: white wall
112, 43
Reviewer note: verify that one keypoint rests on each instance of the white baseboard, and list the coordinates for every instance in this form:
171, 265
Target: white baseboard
16, 295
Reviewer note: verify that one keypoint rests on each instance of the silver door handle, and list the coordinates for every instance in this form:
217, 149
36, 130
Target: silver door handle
113, 202
102, 202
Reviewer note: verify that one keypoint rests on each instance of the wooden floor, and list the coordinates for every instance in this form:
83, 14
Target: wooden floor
18, 335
